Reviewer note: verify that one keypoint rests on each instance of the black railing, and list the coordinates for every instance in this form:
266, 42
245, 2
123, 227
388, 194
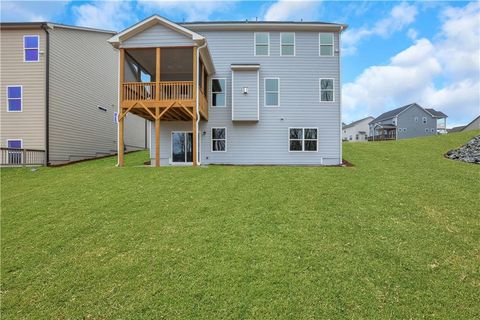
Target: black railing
22, 157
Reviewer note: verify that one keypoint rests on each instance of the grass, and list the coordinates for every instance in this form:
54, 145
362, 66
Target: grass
395, 236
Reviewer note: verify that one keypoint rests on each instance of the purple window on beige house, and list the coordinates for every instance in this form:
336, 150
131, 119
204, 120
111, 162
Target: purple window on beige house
31, 48
14, 157
14, 98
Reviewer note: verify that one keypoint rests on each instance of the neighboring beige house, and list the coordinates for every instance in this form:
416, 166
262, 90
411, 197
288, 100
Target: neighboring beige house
474, 125
59, 94
356, 131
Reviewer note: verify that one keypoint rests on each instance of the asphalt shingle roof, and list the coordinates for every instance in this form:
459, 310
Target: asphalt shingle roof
346, 126
437, 114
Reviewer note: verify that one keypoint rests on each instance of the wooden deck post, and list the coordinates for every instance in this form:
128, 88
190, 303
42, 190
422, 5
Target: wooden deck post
157, 74
194, 119
120, 109
157, 137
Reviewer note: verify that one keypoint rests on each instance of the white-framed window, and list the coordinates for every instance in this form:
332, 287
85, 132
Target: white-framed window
416, 119
394, 121
325, 44
327, 90
14, 156
219, 92
31, 48
287, 43
219, 139
426, 129
14, 98
432, 130
303, 139
424, 120
262, 43
272, 92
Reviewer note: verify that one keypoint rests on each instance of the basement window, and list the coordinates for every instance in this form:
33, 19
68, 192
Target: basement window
31, 45
219, 139
303, 139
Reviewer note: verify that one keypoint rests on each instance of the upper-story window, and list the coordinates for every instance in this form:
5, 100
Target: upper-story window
272, 92
287, 46
14, 98
416, 119
326, 44
262, 43
31, 45
326, 90
219, 87
424, 120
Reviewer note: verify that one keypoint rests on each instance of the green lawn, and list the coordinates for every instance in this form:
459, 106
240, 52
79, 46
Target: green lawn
395, 236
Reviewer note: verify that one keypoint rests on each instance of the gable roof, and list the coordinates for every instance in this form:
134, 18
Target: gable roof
262, 25
50, 25
149, 22
393, 113
436, 114
354, 123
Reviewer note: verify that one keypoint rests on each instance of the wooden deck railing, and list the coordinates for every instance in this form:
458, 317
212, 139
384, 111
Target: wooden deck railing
203, 104
22, 157
167, 90
382, 137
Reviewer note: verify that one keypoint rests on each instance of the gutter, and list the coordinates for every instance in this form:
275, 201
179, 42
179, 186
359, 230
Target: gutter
45, 27
196, 100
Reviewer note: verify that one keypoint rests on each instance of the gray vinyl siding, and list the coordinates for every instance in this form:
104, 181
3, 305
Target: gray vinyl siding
474, 125
83, 76
157, 36
28, 125
406, 120
245, 106
266, 141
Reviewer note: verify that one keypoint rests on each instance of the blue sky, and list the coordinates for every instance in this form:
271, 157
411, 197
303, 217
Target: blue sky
393, 53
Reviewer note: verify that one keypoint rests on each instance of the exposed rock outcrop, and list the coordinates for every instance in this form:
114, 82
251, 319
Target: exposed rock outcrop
469, 152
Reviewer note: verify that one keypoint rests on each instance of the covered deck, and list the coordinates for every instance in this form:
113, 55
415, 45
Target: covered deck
384, 132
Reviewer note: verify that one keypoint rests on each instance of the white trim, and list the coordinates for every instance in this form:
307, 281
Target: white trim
294, 44
265, 92
277, 26
233, 105
21, 97
255, 45
320, 89
244, 66
303, 140
38, 47
225, 92
142, 25
258, 95
320, 44
211, 139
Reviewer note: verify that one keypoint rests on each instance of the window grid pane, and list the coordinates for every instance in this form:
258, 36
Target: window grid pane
303, 139
288, 50
326, 50
30, 42
261, 50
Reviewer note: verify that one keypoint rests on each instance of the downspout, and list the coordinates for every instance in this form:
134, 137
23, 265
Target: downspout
47, 93
196, 100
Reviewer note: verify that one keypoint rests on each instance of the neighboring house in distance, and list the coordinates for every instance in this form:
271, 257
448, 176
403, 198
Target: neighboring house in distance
59, 93
235, 92
473, 125
356, 131
406, 122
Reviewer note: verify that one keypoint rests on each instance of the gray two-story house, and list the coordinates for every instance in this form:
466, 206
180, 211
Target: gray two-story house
234, 92
59, 95
405, 122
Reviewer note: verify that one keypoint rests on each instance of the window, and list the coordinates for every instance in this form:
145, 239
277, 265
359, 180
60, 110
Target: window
426, 129
432, 130
424, 120
272, 90
14, 156
219, 139
326, 90
350, 137
287, 44
31, 46
14, 98
115, 117
416, 119
326, 44
356, 137
303, 139
219, 87
262, 43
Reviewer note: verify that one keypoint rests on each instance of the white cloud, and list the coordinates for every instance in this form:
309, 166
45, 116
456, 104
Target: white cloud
186, 10
400, 16
110, 15
292, 10
443, 74
412, 34
31, 11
